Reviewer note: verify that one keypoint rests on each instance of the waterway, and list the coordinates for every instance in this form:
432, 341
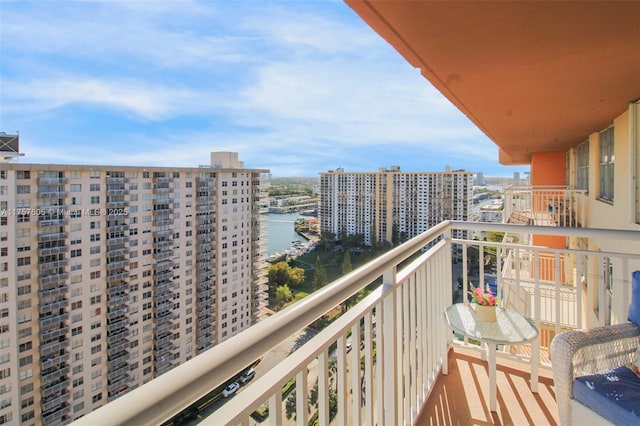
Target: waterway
280, 231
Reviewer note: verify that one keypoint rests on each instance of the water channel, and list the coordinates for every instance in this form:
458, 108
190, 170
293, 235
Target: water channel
280, 231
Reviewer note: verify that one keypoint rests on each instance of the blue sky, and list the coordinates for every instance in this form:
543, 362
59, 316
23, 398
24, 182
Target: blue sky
297, 87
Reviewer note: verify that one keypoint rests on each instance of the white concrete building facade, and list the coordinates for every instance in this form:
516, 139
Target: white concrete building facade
113, 275
391, 205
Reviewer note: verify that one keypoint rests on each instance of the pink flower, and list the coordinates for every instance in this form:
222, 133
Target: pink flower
484, 297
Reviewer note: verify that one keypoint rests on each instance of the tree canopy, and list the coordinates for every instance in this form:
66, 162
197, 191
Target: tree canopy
320, 275
281, 273
283, 294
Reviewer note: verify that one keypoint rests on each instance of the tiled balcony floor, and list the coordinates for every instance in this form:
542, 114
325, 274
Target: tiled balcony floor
462, 397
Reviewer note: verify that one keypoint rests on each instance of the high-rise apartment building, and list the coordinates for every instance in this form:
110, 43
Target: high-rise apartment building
113, 275
391, 205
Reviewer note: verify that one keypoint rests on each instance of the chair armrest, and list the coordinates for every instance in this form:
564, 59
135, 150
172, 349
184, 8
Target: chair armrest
578, 352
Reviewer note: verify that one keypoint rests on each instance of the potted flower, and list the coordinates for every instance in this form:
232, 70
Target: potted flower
485, 303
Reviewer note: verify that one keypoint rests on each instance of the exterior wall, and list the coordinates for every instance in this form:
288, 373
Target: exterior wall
618, 214
548, 168
111, 276
601, 280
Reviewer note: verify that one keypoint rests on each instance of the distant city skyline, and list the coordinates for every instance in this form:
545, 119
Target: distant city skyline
165, 83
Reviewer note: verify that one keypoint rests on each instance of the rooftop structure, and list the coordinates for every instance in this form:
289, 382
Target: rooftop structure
9, 147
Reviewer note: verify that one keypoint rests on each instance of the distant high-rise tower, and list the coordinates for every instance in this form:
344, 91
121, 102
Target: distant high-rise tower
113, 275
480, 179
391, 205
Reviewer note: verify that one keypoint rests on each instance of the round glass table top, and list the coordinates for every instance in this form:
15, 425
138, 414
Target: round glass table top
510, 327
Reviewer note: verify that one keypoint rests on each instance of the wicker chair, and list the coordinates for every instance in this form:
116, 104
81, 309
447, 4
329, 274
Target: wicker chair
580, 352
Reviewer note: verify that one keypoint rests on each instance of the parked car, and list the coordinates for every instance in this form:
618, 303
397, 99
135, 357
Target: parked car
248, 375
230, 390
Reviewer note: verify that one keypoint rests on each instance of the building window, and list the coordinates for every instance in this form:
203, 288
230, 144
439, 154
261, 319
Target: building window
23, 189
607, 158
26, 388
582, 166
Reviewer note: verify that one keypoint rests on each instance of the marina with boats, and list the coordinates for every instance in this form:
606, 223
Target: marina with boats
283, 241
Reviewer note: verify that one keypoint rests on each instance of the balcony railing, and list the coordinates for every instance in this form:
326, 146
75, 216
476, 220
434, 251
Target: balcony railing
400, 342
545, 206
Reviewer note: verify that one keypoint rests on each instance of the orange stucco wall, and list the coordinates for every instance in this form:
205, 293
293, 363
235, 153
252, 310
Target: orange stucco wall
548, 168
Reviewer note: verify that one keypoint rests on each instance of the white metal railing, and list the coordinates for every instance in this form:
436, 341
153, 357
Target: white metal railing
544, 206
398, 339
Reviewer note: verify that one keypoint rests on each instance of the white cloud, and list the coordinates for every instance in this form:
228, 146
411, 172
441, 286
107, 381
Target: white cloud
341, 101
298, 87
151, 102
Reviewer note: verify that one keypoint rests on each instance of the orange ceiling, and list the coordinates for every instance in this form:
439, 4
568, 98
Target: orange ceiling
533, 76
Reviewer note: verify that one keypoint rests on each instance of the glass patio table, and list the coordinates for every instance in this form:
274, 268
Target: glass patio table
510, 328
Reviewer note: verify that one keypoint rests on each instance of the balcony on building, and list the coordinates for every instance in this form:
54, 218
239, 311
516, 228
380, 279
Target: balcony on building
565, 262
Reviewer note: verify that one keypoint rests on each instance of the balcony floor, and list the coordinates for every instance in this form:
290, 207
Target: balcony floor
462, 397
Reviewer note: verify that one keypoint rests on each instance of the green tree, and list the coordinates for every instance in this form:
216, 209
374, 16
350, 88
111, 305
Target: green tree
346, 263
374, 237
495, 236
352, 241
282, 273
290, 405
283, 295
327, 241
319, 275
346, 268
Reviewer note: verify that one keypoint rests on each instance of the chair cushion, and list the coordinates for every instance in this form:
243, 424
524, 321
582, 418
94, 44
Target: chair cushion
634, 308
614, 395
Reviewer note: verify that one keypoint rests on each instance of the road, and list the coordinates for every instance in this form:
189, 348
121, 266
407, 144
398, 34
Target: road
269, 360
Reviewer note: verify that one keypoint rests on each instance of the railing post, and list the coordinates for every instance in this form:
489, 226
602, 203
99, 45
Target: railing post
341, 378
508, 204
368, 369
323, 387
356, 387
302, 414
403, 349
447, 294
389, 357
275, 409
